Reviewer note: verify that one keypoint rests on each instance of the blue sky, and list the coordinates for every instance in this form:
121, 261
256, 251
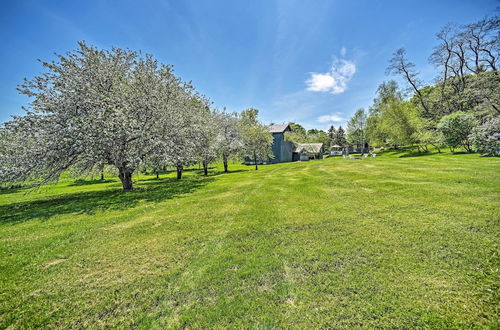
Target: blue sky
313, 62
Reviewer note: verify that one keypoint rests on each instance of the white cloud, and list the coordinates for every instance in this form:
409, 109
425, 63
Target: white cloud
335, 81
343, 51
330, 119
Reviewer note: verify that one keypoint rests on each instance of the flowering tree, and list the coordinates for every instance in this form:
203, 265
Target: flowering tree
486, 137
207, 132
229, 140
92, 107
184, 141
257, 140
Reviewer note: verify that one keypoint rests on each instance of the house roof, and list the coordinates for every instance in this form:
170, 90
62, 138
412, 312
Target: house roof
308, 147
278, 128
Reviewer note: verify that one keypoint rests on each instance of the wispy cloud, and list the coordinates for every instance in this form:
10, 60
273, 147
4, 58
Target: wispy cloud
330, 119
343, 51
335, 80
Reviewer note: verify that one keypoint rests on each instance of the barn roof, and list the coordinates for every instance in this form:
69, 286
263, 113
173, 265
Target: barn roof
308, 147
278, 128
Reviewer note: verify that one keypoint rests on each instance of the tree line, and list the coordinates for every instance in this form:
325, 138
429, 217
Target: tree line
460, 110
93, 108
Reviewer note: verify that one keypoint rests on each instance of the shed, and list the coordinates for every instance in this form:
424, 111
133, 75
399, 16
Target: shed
306, 151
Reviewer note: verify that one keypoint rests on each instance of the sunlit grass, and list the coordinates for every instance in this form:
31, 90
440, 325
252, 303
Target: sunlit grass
391, 241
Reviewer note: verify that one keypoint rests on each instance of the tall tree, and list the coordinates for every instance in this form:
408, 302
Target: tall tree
297, 128
206, 133
93, 106
317, 136
229, 141
356, 128
257, 140
399, 64
185, 145
332, 132
340, 138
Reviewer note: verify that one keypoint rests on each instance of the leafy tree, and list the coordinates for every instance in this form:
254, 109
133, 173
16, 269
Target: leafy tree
356, 128
296, 137
297, 128
456, 129
94, 106
387, 93
486, 137
317, 136
467, 60
400, 122
311, 136
426, 133
257, 140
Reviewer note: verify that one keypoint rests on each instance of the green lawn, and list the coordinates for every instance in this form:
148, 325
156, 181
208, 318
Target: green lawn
385, 242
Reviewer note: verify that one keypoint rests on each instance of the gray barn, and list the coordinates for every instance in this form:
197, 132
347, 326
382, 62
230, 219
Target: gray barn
282, 149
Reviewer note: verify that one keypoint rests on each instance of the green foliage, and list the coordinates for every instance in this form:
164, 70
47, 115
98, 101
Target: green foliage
297, 128
480, 95
317, 136
356, 128
400, 122
257, 140
295, 137
299, 135
456, 129
486, 137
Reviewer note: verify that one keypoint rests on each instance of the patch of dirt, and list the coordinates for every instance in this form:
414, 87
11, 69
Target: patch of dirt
53, 262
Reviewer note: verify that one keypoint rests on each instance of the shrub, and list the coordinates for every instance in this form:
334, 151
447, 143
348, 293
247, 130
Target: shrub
456, 129
486, 137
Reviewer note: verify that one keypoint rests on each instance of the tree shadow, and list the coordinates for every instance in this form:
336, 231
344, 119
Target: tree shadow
217, 173
97, 201
82, 182
418, 154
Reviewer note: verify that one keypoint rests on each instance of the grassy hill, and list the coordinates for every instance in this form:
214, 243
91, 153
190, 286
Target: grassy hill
391, 241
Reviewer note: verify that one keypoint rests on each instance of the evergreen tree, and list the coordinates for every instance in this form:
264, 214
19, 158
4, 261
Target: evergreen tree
332, 133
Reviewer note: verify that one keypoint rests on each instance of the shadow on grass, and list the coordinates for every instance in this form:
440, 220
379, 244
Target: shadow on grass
97, 201
228, 172
417, 154
82, 182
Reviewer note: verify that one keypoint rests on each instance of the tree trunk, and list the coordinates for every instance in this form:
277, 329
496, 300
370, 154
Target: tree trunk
179, 171
467, 147
102, 175
436, 146
255, 160
205, 167
126, 179
224, 161
157, 174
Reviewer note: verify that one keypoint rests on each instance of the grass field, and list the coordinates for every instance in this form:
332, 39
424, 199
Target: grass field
388, 242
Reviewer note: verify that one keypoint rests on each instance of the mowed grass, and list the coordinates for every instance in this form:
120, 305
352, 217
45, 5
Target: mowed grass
387, 242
